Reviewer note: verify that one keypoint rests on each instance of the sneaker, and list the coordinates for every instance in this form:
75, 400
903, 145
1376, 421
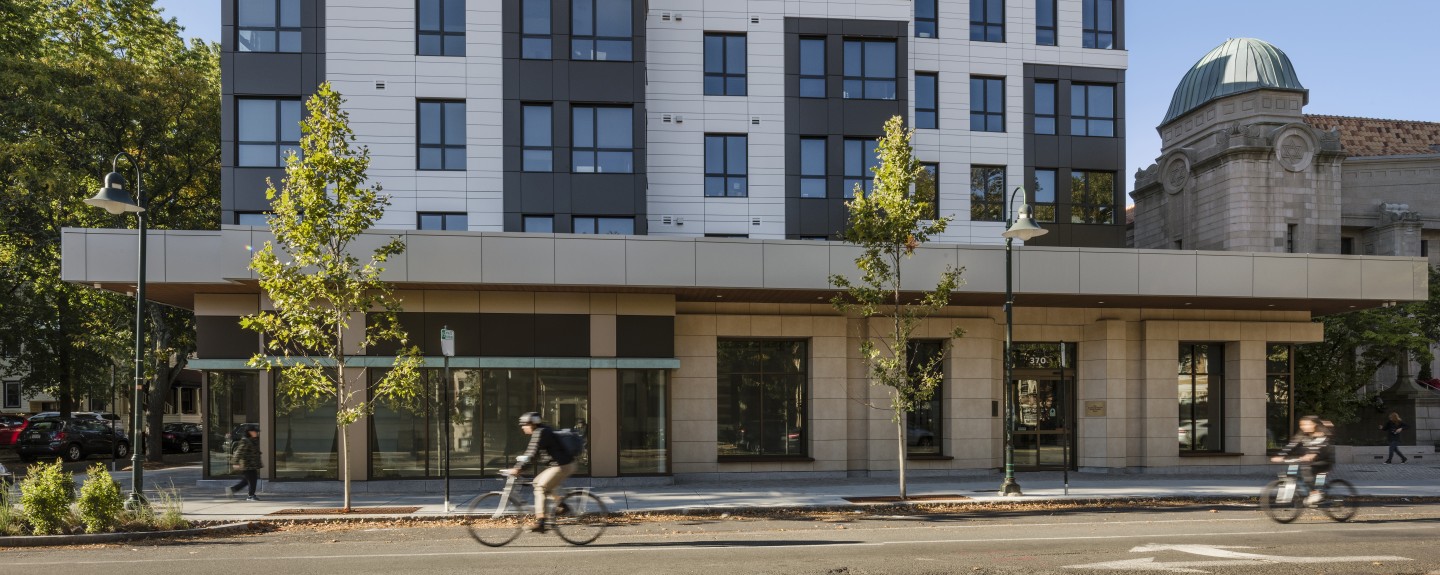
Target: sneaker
252, 498
1313, 498
1404, 461
229, 492
1387, 463
537, 527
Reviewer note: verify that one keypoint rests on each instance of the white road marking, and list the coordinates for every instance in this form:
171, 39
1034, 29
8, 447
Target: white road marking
1228, 557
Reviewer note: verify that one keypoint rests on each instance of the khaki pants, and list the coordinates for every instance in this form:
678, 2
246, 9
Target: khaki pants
550, 480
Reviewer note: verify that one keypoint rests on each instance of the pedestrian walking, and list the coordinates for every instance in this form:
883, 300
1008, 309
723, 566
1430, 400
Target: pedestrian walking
1393, 428
245, 459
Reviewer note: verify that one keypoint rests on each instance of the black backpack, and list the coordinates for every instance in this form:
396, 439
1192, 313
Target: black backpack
572, 441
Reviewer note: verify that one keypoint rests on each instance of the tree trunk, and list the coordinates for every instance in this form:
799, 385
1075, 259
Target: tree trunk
900, 427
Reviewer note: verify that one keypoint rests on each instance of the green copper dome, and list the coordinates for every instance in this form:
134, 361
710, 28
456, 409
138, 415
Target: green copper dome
1239, 65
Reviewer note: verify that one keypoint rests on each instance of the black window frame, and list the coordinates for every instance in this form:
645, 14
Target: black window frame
983, 108
987, 202
725, 75
865, 79
989, 27
927, 26
1279, 395
1052, 119
809, 81
442, 31
744, 438
445, 148
595, 149
595, 38
1215, 395
531, 40
1088, 117
595, 222
1080, 184
868, 161
931, 171
724, 177
1092, 35
281, 145
933, 116
18, 393
526, 146
818, 179
1044, 207
919, 350
280, 29
1046, 35
449, 221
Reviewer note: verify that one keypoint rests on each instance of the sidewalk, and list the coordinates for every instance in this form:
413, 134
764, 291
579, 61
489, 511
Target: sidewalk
209, 503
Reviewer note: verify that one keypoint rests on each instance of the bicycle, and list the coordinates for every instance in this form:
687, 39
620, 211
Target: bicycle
1283, 499
497, 517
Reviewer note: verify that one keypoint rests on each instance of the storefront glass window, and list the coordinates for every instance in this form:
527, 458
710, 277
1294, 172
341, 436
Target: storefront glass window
234, 399
644, 413
762, 399
306, 444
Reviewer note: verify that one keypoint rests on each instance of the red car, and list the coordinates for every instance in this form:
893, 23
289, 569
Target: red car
10, 428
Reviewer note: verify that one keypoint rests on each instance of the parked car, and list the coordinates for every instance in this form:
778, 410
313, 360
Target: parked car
106, 418
73, 438
182, 437
10, 428
919, 436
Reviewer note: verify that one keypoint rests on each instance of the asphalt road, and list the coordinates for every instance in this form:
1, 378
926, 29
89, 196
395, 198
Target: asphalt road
1389, 539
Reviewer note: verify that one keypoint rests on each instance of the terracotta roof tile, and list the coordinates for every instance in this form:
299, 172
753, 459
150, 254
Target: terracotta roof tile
1377, 137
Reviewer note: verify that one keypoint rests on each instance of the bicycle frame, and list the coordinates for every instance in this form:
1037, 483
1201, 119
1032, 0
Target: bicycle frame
1294, 483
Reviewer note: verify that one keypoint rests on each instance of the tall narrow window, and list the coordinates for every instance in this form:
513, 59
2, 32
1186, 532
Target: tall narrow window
1279, 395
601, 30
603, 226
267, 131
812, 67
12, 395
1044, 107
987, 20
927, 189
1045, 22
535, 30
1092, 197
1201, 387
812, 167
538, 224
441, 142
870, 69
1092, 110
267, 25
538, 153
926, 100
987, 104
644, 418
602, 141
725, 65
725, 165
923, 425
926, 25
1043, 195
860, 159
761, 398
1097, 23
987, 193
1290, 238
447, 221
441, 28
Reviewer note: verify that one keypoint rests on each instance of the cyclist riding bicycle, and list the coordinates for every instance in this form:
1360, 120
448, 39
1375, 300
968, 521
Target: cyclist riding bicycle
547, 483
1315, 454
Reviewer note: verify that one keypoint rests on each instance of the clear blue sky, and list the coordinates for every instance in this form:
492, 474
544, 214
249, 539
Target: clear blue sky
1376, 59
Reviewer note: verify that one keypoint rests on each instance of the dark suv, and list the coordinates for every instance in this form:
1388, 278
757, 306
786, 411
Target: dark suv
73, 438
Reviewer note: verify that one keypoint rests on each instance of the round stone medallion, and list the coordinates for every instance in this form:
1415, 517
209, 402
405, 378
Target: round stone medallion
1175, 174
1294, 150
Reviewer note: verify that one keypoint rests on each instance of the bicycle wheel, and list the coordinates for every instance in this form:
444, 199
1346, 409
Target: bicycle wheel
583, 520
1279, 502
1339, 501
493, 520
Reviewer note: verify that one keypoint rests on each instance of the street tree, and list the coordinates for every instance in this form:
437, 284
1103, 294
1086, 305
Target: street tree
319, 288
889, 223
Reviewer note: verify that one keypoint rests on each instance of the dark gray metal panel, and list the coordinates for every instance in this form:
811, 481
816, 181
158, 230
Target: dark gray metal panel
248, 191
644, 336
603, 82
266, 73
539, 196
566, 335
507, 335
221, 337
465, 325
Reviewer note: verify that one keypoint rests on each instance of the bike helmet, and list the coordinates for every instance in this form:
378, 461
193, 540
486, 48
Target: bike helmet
530, 418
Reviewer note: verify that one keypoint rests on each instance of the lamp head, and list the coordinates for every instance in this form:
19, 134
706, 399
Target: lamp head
113, 197
1024, 228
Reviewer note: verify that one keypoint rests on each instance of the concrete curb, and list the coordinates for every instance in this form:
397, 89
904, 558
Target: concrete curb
91, 538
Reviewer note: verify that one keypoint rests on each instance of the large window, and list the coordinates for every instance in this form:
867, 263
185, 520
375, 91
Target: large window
812, 167
603, 225
441, 28
12, 395
305, 442
1092, 197
926, 24
870, 69
725, 165
602, 141
812, 67
987, 104
987, 193
601, 30
232, 399
927, 95
987, 20
267, 131
725, 65
1097, 24
1092, 110
440, 144
1202, 382
1044, 107
860, 159
927, 189
405, 437
539, 126
1279, 394
1042, 194
1045, 22
442, 221
268, 25
644, 422
535, 41
924, 425
562, 396
761, 399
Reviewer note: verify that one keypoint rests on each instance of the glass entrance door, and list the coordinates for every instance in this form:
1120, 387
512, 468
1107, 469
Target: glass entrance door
1044, 420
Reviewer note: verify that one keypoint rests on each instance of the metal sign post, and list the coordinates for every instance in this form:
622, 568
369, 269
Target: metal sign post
1069, 399
447, 347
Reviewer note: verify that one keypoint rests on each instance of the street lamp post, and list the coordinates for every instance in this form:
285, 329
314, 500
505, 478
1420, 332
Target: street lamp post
114, 199
1023, 226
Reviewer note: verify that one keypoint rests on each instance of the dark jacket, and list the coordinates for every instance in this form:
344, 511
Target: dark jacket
246, 453
1393, 431
543, 439
1304, 444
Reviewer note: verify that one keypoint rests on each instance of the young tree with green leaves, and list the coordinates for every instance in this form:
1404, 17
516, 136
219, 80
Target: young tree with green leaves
319, 288
889, 223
